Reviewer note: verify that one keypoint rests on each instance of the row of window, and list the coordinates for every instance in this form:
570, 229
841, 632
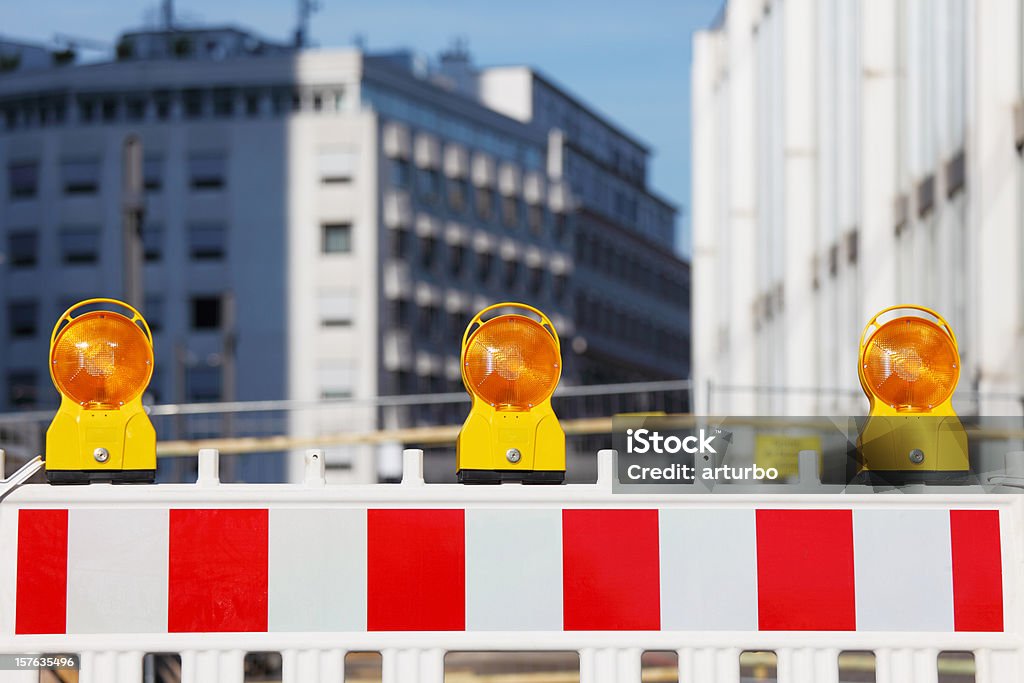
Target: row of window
639, 331
666, 282
457, 261
460, 198
81, 244
168, 105
25, 317
82, 177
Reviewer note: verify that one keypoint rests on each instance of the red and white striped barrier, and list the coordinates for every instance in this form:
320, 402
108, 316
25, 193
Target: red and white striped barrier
189, 570
213, 571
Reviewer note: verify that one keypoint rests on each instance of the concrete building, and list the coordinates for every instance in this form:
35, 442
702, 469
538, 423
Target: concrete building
850, 156
321, 224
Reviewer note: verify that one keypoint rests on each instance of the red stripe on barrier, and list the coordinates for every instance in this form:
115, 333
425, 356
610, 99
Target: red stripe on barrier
610, 569
42, 583
416, 570
977, 570
805, 576
217, 574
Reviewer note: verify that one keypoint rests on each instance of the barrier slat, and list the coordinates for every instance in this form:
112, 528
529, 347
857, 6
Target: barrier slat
709, 664
805, 664
412, 665
993, 667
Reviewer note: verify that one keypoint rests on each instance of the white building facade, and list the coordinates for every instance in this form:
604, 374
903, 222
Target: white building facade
850, 156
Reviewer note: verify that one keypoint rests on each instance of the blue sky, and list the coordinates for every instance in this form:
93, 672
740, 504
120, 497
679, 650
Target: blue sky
630, 60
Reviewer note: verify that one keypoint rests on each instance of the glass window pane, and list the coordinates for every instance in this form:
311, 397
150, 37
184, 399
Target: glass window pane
153, 173
22, 247
206, 312
152, 242
23, 179
203, 383
337, 308
22, 388
22, 318
337, 238
207, 241
336, 166
207, 171
80, 245
80, 176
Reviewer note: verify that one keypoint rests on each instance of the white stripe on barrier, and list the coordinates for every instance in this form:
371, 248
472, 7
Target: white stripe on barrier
708, 570
513, 570
904, 570
317, 570
117, 571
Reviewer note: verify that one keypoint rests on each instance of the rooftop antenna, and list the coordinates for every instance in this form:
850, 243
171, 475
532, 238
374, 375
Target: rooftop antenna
306, 10
167, 13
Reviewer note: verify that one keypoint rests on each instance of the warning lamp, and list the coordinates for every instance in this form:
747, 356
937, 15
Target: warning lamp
101, 362
511, 362
909, 367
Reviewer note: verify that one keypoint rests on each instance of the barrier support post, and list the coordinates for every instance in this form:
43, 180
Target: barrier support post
412, 665
610, 665
709, 664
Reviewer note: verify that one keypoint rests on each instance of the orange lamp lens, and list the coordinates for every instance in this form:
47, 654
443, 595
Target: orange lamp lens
101, 360
511, 362
912, 363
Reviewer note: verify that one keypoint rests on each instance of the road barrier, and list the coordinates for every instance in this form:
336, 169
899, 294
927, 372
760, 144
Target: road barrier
213, 571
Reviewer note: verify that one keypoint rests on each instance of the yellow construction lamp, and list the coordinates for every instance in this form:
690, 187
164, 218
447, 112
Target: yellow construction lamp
511, 364
909, 367
101, 362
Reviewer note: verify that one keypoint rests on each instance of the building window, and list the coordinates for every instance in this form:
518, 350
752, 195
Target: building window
206, 312
483, 267
336, 308
252, 98
162, 104
152, 242
428, 251
458, 191
23, 179
510, 212
153, 310
400, 172
427, 319
511, 273
561, 227
223, 103
22, 389
79, 245
429, 185
22, 248
337, 379
207, 241
398, 244
203, 383
337, 238
80, 176
22, 318
192, 103
207, 171
135, 108
457, 256
535, 218
336, 167
559, 290
87, 108
484, 203
535, 281
153, 174
398, 313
